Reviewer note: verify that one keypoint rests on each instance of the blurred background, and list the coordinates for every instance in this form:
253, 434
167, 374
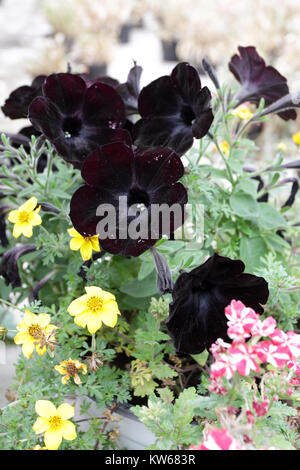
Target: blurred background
104, 37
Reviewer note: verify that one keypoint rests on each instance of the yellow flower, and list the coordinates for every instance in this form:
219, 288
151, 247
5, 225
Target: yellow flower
224, 146
281, 147
296, 138
86, 245
25, 217
32, 333
70, 369
54, 423
94, 308
243, 112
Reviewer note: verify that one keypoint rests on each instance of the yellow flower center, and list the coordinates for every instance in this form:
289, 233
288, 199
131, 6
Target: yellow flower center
95, 303
55, 422
35, 331
23, 217
71, 369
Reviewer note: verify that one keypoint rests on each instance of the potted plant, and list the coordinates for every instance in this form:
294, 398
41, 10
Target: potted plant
188, 319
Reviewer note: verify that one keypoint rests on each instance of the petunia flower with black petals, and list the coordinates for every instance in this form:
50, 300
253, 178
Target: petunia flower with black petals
175, 109
145, 178
9, 263
258, 80
17, 104
76, 117
197, 317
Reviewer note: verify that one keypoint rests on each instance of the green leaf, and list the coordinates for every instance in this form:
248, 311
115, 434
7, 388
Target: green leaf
251, 250
269, 218
144, 288
248, 186
244, 205
201, 358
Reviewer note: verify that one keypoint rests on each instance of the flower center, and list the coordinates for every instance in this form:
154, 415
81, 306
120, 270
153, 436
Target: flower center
71, 369
95, 304
23, 217
71, 127
35, 331
138, 197
55, 422
187, 115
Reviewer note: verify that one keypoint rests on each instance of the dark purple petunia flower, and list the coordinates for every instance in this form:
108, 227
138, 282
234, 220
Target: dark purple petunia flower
17, 104
174, 110
258, 80
197, 317
77, 118
9, 263
129, 91
144, 178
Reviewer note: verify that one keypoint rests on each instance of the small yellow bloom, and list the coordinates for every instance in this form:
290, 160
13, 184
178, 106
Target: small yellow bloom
296, 138
94, 308
25, 217
70, 368
281, 147
86, 245
243, 112
54, 423
225, 147
32, 333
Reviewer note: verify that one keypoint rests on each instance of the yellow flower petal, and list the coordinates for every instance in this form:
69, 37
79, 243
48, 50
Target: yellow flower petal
39, 350
53, 439
41, 425
109, 317
75, 243
26, 229
22, 337
13, 216
78, 305
29, 317
73, 233
60, 369
86, 250
27, 349
43, 319
77, 379
94, 322
45, 408
94, 291
17, 231
34, 218
29, 205
65, 411
81, 319
65, 379
95, 243
68, 431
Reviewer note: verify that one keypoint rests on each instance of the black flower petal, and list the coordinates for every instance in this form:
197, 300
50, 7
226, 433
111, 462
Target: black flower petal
259, 80
174, 110
197, 316
9, 263
129, 91
76, 117
17, 104
144, 177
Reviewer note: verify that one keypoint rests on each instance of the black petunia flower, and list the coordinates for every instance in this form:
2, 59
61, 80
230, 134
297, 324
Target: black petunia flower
258, 80
174, 110
9, 263
197, 316
144, 178
77, 118
17, 104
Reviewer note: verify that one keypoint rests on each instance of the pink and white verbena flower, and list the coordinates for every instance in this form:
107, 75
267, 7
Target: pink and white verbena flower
290, 341
241, 319
264, 327
243, 358
218, 439
269, 352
